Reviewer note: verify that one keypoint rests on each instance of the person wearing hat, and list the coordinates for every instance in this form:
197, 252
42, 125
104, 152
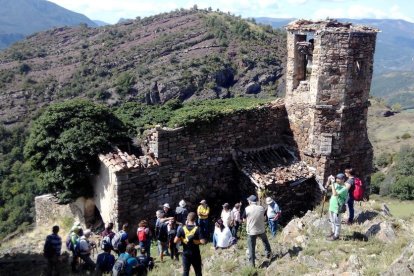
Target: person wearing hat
337, 200
227, 216
85, 247
168, 212
254, 216
203, 212
273, 214
181, 212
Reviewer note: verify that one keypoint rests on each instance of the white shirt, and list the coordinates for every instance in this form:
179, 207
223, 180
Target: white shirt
272, 210
223, 238
255, 219
227, 217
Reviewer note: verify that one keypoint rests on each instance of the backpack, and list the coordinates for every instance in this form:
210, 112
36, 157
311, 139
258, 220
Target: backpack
358, 192
106, 241
48, 250
68, 242
142, 234
105, 265
120, 265
117, 239
189, 235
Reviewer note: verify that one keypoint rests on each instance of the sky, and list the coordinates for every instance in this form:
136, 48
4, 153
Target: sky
110, 11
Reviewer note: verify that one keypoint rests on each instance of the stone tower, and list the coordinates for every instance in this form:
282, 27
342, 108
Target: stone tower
329, 71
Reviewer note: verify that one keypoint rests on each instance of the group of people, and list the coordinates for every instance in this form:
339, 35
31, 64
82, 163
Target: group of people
177, 233
342, 187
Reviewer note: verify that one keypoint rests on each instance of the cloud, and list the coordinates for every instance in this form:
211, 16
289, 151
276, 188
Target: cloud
297, 2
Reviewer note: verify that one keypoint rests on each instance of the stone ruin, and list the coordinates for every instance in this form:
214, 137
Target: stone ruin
285, 149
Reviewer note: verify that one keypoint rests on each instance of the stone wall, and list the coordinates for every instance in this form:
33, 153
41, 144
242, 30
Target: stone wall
196, 162
48, 211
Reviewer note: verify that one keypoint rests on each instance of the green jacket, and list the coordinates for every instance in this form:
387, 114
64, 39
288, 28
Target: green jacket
339, 199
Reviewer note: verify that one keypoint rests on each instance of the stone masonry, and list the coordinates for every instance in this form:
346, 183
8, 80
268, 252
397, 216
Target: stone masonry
327, 93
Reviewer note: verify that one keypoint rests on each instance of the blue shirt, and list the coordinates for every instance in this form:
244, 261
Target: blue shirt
56, 243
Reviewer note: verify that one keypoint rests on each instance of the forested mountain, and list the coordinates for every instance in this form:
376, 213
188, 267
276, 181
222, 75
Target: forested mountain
19, 18
186, 54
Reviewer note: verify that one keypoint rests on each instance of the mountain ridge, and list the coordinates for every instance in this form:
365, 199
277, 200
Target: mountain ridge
19, 18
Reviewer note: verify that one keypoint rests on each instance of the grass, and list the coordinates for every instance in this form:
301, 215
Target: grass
402, 209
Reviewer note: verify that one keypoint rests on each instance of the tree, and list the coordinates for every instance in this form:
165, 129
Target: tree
65, 141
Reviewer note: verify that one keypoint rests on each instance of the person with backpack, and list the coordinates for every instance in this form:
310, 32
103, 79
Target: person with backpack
172, 228
120, 240
273, 214
144, 236
181, 212
356, 192
107, 236
51, 251
254, 216
145, 263
191, 237
126, 262
72, 243
85, 249
161, 234
336, 204
105, 261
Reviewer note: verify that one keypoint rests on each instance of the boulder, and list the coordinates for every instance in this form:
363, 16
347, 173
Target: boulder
292, 230
403, 265
253, 88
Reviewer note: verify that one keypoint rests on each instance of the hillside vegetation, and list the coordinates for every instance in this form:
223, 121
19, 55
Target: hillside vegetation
185, 55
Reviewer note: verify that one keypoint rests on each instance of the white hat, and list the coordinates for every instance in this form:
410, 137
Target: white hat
87, 233
166, 205
269, 200
182, 203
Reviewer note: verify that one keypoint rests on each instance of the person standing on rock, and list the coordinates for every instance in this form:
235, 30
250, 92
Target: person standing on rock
273, 214
203, 211
191, 237
254, 216
51, 251
337, 200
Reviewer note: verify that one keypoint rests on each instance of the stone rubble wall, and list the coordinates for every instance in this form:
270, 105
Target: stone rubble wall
196, 162
48, 211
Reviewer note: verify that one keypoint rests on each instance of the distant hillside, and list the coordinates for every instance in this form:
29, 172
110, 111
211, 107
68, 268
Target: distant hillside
394, 57
19, 18
179, 55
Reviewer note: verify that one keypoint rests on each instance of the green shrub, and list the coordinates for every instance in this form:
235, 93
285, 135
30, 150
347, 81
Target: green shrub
65, 141
405, 136
383, 160
376, 181
403, 188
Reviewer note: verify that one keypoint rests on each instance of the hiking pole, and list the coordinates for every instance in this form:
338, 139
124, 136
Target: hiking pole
323, 203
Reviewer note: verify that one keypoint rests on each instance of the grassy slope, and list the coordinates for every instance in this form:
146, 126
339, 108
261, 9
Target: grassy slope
385, 132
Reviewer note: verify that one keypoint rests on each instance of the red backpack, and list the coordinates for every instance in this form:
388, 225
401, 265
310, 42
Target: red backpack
358, 189
142, 234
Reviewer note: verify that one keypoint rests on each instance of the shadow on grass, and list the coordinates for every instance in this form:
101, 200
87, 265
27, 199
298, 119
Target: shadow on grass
293, 252
356, 236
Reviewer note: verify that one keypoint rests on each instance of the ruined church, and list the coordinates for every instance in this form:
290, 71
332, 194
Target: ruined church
285, 149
